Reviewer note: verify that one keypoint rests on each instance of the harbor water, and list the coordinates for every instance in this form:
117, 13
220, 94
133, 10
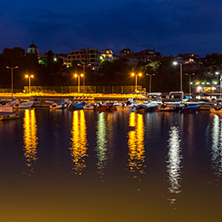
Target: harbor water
87, 166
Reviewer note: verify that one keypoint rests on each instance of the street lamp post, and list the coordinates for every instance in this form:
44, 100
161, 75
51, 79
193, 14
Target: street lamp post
136, 75
181, 83
150, 75
190, 74
15, 67
78, 76
29, 77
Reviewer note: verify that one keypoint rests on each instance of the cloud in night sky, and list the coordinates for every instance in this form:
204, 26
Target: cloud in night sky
174, 26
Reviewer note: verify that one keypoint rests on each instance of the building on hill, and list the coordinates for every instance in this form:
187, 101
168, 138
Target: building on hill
188, 57
107, 54
33, 49
147, 55
125, 52
90, 56
191, 62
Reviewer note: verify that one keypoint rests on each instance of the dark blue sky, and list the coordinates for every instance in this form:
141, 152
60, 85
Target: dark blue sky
174, 26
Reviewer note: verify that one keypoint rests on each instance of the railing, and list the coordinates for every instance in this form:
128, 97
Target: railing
86, 89
10, 91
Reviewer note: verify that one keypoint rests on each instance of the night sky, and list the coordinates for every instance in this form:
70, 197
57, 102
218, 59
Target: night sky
174, 26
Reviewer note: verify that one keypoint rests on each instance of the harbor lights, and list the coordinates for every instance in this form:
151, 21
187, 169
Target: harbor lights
15, 67
136, 76
29, 77
79, 76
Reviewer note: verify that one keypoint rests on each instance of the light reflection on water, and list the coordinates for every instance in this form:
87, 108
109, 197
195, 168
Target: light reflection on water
78, 142
136, 153
216, 149
101, 143
174, 162
132, 137
30, 139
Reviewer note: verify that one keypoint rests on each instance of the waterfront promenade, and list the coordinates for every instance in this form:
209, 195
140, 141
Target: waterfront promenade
74, 96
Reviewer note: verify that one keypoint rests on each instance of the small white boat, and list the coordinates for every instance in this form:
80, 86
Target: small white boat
24, 105
150, 107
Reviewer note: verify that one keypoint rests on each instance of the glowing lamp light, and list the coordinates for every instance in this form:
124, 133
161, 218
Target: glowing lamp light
175, 63
82, 75
199, 88
140, 74
132, 74
75, 75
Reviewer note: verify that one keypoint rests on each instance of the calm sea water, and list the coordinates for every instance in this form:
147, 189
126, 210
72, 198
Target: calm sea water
86, 166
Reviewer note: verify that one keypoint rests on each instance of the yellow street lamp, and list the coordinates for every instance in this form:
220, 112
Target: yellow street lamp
29, 77
15, 67
78, 76
136, 74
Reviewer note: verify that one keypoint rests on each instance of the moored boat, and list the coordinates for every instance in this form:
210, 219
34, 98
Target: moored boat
190, 108
89, 106
9, 115
169, 107
216, 110
24, 105
76, 106
150, 107
62, 104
